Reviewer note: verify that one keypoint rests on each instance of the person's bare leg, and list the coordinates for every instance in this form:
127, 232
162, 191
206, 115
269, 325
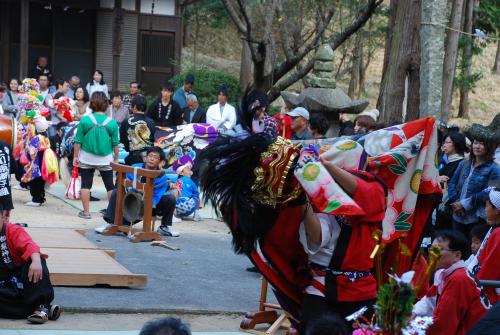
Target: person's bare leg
85, 196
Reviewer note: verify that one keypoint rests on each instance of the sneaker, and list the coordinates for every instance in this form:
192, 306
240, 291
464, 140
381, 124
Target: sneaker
84, 215
175, 219
19, 187
167, 231
33, 204
103, 211
197, 216
101, 229
92, 198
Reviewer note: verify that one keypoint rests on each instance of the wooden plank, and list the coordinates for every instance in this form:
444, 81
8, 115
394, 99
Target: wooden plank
87, 267
60, 238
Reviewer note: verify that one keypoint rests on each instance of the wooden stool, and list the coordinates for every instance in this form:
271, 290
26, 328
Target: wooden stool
267, 313
135, 235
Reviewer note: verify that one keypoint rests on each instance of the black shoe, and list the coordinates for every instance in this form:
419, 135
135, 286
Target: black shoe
253, 269
94, 198
103, 211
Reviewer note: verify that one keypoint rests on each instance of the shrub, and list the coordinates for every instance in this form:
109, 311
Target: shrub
206, 84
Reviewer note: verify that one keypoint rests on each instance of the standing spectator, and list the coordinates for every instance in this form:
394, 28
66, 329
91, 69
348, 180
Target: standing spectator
366, 122
81, 103
97, 84
255, 105
319, 126
465, 190
43, 81
164, 111
2, 95
42, 67
194, 113
56, 140
300, 127
222, 115
182, 92
9, 103
62, 87
134, 90
96, 146
117, 111
74, 83
453, 154
137, 132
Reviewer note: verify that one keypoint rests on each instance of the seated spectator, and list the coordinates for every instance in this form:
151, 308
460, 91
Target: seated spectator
164, 111
56, 140
489, 253
477, 235
222, 115
25, 288
137, 132
465, 189
255, 105
163, 203
345, 123
117, 111
187, 194
96, 146
166, 326
366, 122
74, 83
327, 324
284, 122
97, 84
300, 124
182, 92
460, 304
134, 90
319, 125
9, 103
194, 113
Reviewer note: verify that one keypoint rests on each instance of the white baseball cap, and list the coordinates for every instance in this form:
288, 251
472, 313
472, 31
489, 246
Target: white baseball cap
299, 111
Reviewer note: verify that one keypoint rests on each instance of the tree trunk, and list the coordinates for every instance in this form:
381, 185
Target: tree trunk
450, 57
463, 107
355, 65
245, 66
496, 67
196, 38
403, 63
362, 72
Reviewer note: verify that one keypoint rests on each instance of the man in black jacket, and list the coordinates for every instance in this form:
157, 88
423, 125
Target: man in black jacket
137, 132
193, 113
164, 111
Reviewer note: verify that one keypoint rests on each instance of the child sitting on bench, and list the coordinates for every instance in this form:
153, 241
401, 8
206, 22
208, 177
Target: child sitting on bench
25, 288
163, 202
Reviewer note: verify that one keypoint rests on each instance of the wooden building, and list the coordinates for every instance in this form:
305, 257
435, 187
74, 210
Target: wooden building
126, 39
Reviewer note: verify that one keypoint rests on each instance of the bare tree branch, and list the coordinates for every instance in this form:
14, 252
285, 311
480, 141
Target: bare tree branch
284, 33
283, 83
235, 17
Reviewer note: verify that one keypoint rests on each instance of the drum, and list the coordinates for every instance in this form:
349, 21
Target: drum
8, 130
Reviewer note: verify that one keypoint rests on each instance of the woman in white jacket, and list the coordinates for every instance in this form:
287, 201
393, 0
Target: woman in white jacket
97, 84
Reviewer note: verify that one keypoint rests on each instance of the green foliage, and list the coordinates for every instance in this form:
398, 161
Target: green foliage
210, 12
206, 84
488, 16
463, 80
394, 306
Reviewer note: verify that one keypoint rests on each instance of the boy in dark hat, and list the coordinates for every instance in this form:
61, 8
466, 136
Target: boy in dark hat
182, 92
222, 115
164, 111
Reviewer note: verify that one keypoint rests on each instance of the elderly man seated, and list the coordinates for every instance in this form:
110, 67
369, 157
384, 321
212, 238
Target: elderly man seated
163, 202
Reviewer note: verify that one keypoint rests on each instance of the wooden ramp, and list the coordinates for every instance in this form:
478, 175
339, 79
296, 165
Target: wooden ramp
75, 261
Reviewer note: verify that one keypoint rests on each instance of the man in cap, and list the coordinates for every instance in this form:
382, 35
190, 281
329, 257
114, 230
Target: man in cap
222, 115
182, 92
300, 124
164, 111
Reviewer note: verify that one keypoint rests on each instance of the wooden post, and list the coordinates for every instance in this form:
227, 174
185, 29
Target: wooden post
5, 38
117, 42
24, 39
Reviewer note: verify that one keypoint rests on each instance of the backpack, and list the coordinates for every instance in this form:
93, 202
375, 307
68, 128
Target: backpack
98, 138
